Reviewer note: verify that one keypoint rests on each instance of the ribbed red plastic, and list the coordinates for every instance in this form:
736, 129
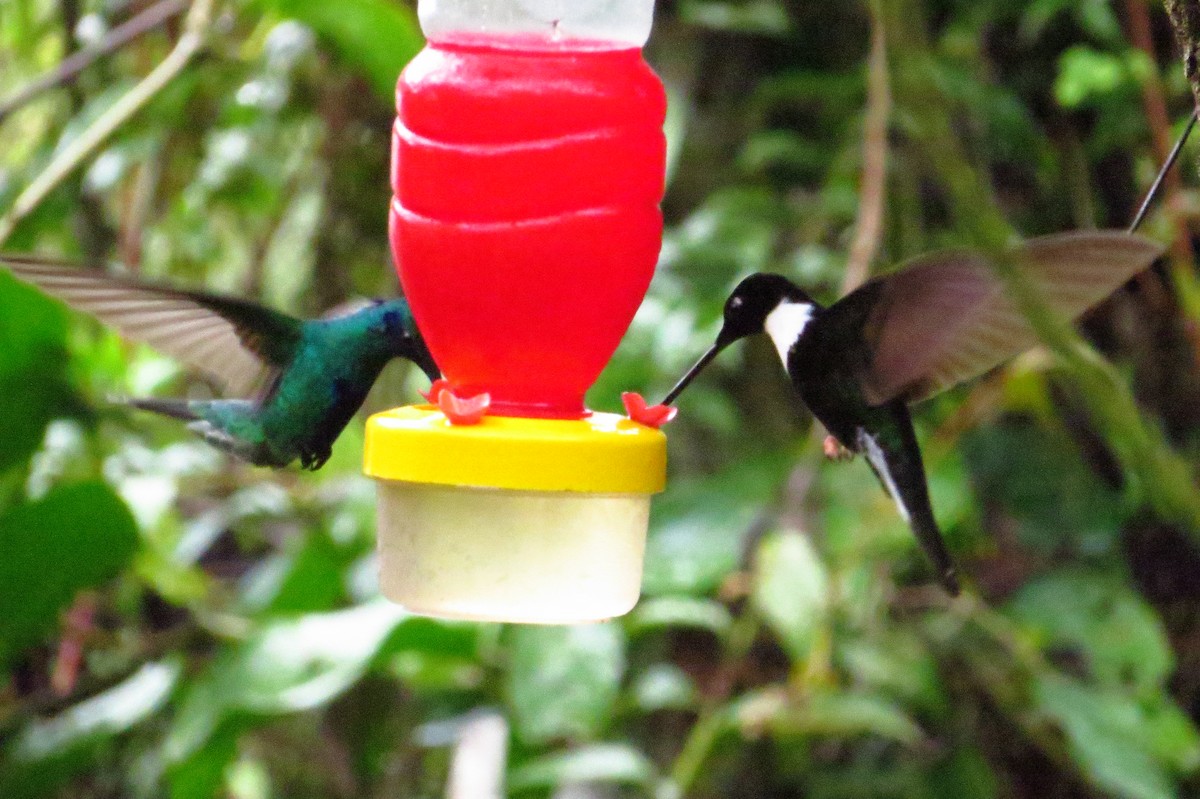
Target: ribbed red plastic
525, 220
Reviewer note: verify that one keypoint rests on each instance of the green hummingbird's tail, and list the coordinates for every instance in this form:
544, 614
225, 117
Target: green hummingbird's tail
229, 425
175, 408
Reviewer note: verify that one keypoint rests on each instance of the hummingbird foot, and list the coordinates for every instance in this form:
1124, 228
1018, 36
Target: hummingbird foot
836, 451
311, 461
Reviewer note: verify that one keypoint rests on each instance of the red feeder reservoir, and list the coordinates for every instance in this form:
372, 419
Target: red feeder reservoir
527, 169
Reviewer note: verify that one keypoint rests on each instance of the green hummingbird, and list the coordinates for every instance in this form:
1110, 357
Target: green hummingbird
307, 377
903, 337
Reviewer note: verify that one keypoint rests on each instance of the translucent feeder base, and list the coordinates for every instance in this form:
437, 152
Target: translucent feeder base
488, 554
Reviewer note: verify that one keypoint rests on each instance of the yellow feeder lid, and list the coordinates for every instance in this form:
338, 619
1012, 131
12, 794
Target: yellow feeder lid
603, 453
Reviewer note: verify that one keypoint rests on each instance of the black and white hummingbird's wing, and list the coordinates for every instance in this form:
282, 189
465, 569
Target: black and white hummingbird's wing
239, 344
946, 318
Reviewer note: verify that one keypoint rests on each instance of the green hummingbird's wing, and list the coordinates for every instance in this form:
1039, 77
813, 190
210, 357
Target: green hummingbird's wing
946, 318
240, 344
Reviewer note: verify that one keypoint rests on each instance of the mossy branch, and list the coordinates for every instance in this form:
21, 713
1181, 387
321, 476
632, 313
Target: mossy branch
1185, 19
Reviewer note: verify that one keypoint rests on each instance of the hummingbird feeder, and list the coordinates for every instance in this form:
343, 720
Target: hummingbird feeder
527, 169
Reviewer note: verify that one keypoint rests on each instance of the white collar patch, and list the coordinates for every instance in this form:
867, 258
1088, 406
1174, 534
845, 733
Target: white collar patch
785, 324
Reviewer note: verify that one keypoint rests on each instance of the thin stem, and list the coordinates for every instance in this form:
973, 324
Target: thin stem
869, 225
1172, 157
71, 66
716, 716
699, 745
1154, 104
133, 101
1181, 265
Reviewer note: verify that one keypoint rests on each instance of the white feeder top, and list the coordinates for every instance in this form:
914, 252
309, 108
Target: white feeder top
621, 23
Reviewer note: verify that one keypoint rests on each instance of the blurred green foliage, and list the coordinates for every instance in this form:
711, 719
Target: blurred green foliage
176, 624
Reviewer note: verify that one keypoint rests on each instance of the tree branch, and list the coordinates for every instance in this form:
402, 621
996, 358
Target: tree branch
71, 66
1155, 106
133, 101
869, 225
1181, 267
1185, 19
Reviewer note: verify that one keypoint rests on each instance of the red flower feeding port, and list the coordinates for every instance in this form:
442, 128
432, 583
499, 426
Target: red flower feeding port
528, 166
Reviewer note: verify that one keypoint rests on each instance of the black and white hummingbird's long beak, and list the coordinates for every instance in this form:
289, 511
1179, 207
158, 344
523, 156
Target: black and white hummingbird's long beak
724, 339
691, 373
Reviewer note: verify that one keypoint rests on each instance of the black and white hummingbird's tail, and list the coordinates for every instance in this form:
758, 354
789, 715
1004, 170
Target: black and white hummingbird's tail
925, 527
175, 408
898, 466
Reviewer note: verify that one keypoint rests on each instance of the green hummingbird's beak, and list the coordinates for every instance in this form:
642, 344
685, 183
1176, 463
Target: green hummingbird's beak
724, 339
424, 360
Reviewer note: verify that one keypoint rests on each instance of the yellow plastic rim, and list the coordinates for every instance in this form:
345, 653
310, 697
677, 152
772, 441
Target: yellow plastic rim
602, 454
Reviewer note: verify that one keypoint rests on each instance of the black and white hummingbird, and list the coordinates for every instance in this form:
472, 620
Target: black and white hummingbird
903, 337
308, 377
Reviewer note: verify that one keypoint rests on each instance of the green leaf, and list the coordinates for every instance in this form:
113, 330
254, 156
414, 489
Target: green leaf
77, 537
824, 714
441, 637
306, 662
375, 36
846, 714
287, 666
432, 672
1094, 16
1101, 617
31, 402
1108, 735
679, 611
663, 687
1076, 506
47, 751
307, 579
202, 775
965, 774
33, 358
599, 763
29, 321
757, 16
107, 714
783, 151
1088, 76
1171, 736
895, 663
860, 714
301, 664
202, 709
735, 230
696, 528
563, 681
790, 590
